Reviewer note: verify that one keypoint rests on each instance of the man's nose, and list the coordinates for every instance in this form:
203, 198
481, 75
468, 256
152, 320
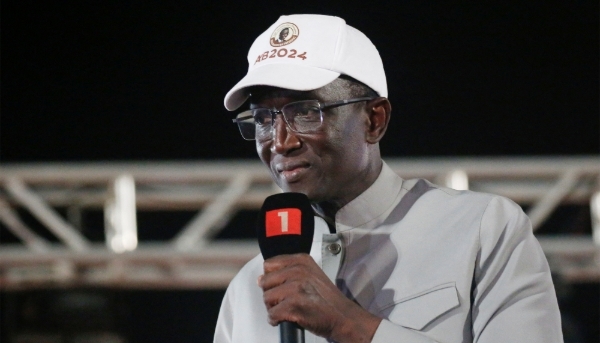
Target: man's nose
284, 139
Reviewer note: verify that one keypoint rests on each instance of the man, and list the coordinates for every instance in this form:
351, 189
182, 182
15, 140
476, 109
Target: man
283, 35
392, 260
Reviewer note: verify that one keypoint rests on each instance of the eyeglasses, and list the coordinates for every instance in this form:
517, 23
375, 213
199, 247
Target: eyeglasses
300, 116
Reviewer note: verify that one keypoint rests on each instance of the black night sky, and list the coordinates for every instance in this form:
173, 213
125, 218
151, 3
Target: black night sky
143, 80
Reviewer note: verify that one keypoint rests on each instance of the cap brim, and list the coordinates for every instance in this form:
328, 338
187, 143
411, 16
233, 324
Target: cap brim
288, 76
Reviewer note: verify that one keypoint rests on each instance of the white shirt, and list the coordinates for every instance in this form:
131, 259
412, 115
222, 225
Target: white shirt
438, 265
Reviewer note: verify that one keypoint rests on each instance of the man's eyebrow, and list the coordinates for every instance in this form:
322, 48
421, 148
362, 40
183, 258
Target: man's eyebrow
263, 94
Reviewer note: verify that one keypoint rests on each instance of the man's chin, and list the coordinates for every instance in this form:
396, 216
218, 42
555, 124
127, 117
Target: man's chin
293, 188
296, 187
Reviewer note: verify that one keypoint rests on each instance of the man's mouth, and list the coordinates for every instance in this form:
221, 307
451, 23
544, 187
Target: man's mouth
292, 171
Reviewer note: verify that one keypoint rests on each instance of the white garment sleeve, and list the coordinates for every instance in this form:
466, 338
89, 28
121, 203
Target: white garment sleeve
243, 315
224, 326
514, 298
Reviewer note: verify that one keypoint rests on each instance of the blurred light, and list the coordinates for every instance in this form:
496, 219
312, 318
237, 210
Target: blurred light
457, 179
120, 216
595, 211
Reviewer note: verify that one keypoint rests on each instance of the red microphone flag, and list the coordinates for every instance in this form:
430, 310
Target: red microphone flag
283, 221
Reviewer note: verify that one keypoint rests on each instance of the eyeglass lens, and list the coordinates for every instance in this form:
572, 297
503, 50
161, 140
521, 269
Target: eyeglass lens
300, 116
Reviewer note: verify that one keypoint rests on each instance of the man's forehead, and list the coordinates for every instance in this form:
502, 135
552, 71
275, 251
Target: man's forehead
262, 93
332, 91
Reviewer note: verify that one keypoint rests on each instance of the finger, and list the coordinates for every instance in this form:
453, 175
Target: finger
288, 274
282, 261
284, 310
272, 297
288, 290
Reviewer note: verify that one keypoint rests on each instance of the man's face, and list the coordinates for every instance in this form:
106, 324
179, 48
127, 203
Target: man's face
284, 33
328, 165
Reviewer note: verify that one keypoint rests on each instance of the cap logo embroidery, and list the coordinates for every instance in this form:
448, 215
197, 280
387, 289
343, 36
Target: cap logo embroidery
284, 34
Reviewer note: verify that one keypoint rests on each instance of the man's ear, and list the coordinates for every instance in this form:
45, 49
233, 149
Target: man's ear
378, 111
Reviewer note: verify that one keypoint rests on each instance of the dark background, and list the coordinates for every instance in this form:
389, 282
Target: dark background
145, 80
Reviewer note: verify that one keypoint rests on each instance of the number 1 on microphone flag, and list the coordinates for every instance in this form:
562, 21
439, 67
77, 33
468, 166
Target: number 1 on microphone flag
283, 221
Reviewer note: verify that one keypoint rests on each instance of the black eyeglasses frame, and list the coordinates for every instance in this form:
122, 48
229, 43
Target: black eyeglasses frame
274, 112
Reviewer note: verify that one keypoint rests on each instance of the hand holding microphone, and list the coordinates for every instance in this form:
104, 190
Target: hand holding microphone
286, 226
296, 292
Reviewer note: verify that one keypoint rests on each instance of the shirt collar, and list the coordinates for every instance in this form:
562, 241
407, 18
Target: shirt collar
368, 209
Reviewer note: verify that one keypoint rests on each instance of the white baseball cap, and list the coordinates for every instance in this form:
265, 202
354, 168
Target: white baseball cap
305, 52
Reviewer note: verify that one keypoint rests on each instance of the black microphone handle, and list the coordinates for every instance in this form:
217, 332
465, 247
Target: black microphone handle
290, 332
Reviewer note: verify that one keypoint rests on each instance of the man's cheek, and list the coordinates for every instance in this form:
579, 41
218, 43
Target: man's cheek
263, 153
259, 149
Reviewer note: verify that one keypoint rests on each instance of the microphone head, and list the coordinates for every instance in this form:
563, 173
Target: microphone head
286, 225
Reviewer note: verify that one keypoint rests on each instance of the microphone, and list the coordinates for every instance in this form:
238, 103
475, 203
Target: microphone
286, 225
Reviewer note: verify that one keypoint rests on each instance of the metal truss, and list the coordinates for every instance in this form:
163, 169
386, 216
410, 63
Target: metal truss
193, 259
